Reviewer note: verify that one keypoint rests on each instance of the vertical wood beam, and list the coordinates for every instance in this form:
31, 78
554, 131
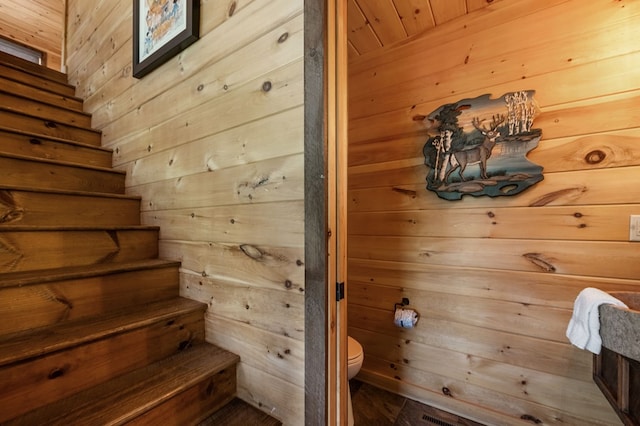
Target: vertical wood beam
316, 220
326, 52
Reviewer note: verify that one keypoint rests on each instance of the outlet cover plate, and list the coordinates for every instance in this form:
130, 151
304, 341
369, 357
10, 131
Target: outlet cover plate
634, 227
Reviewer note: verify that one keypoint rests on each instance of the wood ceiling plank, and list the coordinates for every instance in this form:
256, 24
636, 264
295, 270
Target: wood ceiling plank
362, 38
446, 10
478, 4
416, 15
383, 18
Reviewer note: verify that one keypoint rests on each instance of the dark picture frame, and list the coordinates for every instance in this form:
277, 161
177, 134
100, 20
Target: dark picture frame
161, 30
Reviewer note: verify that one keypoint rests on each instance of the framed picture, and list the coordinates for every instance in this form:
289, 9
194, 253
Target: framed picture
162, 29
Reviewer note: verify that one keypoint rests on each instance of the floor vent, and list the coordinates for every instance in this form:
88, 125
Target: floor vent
435, 421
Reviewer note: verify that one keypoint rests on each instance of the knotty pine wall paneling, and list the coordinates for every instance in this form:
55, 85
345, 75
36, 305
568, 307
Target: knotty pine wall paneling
213, 143
494, 279
36, 23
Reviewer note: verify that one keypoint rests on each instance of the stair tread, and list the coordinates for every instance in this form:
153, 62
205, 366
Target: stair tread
124, 398
35, 135
23, 278
69, 192
87, 128
17, 74
45, 89
54, 228
62, 163
33, 68
54, 139
45, 102
37, 342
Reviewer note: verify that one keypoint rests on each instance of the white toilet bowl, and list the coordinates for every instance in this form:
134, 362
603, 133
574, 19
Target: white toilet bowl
354, 362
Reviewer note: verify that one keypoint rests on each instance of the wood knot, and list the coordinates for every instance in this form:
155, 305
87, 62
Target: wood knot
594, 157
55, 373
538, 260
446, 391
210, 388
34, 141
251, 251
266, 86
283, 38
530, 418
408, 192
232, 9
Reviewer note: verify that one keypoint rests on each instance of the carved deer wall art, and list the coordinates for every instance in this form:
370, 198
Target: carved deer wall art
469, 132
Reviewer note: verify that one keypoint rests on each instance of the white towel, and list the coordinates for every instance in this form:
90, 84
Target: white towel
584, 327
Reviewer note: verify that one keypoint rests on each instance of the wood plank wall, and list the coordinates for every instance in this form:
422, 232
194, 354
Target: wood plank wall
494, 279
213, 142
36, 23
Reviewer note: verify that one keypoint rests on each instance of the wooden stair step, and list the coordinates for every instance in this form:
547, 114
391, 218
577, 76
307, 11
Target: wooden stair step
28, 144
48, 128
16, 74
37, 207
50, 297
40, 94
44, 365
19, 347
26, 278
44, 110
25, 248
42, 173
32, 68
181, 389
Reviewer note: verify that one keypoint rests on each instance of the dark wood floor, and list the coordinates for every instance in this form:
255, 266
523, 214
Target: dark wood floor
377, 407
371, 407
239, 413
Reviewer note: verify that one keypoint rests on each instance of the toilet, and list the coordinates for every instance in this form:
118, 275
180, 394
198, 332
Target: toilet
355, 357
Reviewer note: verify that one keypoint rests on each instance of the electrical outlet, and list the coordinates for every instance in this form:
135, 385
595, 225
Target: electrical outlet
634, 227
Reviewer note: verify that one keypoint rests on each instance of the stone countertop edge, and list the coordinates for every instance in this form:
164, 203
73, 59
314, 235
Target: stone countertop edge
620, 327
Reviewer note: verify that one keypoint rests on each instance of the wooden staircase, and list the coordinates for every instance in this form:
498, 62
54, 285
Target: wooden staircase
92, 328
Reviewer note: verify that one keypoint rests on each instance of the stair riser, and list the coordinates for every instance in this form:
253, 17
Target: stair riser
39, 126
36, 81
34, 174
194, 404
44, 111
52, 209
38, 147
40, 305
26, 386
34, 250
41, 95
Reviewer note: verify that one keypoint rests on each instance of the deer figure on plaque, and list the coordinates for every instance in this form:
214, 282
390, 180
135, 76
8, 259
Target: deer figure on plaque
478, 154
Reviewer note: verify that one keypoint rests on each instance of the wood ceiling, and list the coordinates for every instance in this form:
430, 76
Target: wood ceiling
373, 24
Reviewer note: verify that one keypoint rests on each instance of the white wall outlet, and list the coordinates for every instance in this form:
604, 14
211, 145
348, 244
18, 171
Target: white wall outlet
634, 227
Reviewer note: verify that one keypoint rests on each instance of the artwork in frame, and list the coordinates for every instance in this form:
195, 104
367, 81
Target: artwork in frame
479, 146
162, 29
